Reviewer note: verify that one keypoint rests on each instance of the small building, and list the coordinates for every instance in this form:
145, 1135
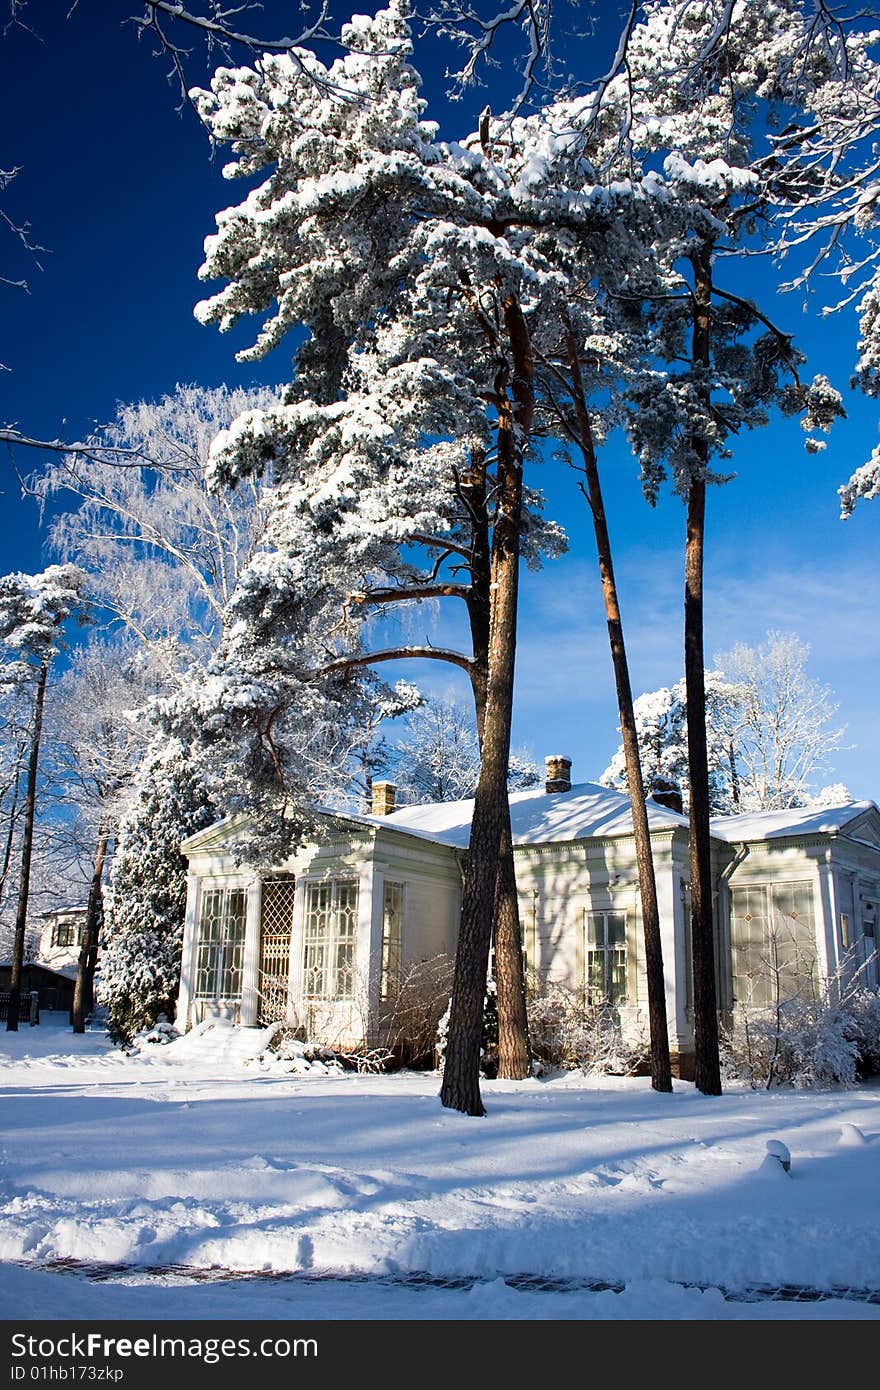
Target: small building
323, 939
53, 988
61, 936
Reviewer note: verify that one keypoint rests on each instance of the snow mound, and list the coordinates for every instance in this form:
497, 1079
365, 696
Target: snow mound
851, 1137
218, 1042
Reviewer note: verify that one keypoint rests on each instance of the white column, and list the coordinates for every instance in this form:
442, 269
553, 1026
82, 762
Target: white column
188, 951
295, 1010
827, 919
368, 950
672, 944
250, 974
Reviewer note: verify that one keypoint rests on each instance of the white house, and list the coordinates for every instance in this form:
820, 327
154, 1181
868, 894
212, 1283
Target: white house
322, 941
61, 936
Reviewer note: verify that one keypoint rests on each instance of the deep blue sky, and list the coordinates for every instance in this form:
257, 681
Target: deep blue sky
121, 190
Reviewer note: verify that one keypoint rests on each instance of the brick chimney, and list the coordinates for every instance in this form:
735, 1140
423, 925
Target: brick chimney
384, 798
558, 774
667, 794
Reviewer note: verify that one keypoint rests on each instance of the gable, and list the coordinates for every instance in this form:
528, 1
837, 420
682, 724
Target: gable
220, 837
865, 828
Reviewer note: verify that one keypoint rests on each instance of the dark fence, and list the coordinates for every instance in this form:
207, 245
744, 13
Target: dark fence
28, 1007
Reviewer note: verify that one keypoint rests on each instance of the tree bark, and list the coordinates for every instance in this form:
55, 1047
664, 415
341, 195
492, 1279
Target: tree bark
84, 989
514, 1055
461, 1072
13, 820
27, 843
661, 1071
707, 1068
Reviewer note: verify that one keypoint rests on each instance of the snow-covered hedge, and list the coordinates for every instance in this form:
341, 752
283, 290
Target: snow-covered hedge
143, 929
565, 1031
827, 1041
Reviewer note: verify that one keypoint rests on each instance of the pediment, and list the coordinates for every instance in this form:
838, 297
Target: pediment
864, 827
219, 837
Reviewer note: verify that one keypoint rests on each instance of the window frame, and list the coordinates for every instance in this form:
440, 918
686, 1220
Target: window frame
333, 949
793, 981
71, 935
226, 947
611, 955
391, 956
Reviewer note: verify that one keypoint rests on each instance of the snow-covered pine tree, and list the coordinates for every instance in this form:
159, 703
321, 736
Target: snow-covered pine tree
143, 929
708, 81
434, 323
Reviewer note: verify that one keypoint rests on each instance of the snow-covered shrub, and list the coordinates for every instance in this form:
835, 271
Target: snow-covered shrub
832, 1039
286, 1047
143, 931
287, 1050
864, 1009
161, 1033
409, 1019
565, 1031
489, 1043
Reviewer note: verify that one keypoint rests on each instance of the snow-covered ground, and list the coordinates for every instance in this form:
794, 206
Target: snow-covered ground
195, 1156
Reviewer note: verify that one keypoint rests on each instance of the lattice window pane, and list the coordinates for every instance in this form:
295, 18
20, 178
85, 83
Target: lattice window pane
221, 944
794, 938
330, 939
749, 931
233, 944
316, 939
595, 976
276, 928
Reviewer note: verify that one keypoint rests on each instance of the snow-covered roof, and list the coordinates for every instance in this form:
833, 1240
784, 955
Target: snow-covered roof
586, 812
777, 825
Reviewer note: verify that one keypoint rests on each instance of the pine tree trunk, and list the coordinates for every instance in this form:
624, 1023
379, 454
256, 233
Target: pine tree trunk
84, 989
661, 1070
707, 1068
10, 833
30, 806
514, 1058
461, 1071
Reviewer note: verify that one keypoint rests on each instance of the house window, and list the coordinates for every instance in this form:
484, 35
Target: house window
392, 940
221, 944
68, 933
605, 957
330, 934
528, 917
773, 933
